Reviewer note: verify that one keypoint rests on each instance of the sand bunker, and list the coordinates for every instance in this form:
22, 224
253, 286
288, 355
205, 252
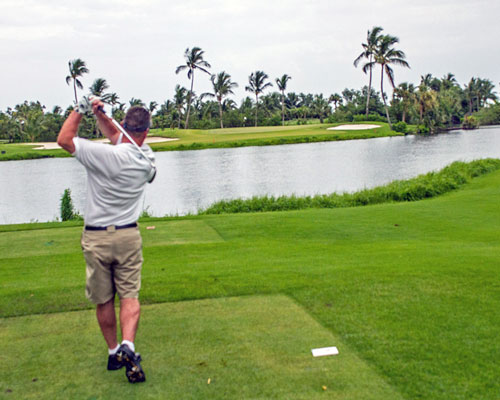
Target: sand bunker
54, 145
352, 127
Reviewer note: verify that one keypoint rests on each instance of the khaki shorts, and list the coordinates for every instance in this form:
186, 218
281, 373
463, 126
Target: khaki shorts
114, 262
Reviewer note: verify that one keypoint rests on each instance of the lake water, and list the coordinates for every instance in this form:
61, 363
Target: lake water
188, 180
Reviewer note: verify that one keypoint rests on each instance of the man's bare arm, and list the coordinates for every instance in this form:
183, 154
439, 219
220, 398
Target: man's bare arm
107, 128
68, 132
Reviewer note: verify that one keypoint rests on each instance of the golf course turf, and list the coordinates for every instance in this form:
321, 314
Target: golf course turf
233, 304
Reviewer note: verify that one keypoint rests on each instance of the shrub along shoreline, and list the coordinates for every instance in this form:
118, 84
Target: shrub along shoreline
425, 186
421, 187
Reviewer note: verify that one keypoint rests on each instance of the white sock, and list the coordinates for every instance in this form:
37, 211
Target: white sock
129, 344
113, 351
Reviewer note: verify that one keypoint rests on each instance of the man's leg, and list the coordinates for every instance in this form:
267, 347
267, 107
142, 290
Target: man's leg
107, 321
130, 311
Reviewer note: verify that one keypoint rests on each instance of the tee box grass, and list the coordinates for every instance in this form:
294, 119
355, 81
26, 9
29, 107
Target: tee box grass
256, 347
409, 290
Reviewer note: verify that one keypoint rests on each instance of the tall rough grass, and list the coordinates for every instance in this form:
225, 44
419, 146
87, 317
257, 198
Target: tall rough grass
424, 186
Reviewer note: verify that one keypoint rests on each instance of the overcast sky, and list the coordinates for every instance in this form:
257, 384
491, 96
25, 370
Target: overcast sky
136, 45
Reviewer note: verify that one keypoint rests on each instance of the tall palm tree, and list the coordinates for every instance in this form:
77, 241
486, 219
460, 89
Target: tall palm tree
194, 60
386, 55
281, 82
179, 100
369, 49
222, 86
77, 68
257, 84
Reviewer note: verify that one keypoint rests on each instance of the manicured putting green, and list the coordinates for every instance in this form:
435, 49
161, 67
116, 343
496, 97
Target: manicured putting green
256, 347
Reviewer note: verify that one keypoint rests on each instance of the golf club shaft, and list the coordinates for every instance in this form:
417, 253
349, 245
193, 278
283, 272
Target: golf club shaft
125, 133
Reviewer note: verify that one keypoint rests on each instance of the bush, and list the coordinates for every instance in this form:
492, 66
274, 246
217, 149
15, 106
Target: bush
370, 117
470, 122
400, 126
489, 115
340, 116
67, 209
423, 129
275, 120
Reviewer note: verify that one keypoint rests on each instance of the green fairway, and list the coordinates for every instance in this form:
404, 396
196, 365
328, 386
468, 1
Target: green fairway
232, 348
193, 139
410, 290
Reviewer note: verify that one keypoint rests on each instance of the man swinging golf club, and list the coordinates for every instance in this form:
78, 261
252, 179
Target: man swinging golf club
111, 241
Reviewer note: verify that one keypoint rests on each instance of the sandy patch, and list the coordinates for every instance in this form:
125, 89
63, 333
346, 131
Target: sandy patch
353, 127
54, 145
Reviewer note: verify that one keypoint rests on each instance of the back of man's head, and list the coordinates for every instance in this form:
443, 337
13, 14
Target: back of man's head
137, 120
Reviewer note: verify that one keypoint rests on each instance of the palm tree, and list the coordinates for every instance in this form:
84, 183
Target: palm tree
448, 81
136, 102
228, 105
426, 100
485, 91
336, 99
257, 84
431, 82
222, 87
386, 55
179, 100
111, 98
405, 92
194, 60
320, 107
77, 68
369, 48
98, 87
57, 110
281, 82
153, 105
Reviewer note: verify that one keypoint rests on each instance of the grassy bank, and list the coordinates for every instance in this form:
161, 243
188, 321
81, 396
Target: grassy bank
408, 292
422, 187
191, 139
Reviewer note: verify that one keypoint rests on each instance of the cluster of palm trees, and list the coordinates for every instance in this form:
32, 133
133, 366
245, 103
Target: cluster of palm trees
432, 104
183, 98
379, 49
440, 102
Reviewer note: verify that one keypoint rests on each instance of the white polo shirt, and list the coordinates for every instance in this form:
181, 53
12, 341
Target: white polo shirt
116, 178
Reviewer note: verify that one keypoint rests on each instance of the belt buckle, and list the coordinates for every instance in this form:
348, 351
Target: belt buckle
111, 228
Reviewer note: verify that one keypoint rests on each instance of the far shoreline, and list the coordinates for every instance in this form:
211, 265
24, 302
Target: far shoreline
190, 139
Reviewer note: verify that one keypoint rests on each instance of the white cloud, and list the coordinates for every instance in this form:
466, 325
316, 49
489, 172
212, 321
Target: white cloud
136, 45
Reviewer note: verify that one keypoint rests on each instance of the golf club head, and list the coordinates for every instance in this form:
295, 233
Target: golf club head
153, 176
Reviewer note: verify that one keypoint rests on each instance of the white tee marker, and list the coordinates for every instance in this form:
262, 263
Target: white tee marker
325, 351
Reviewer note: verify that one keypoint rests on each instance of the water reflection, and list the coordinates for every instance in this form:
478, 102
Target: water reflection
189, 180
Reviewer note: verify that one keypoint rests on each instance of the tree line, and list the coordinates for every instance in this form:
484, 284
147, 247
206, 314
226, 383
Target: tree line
431, 105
